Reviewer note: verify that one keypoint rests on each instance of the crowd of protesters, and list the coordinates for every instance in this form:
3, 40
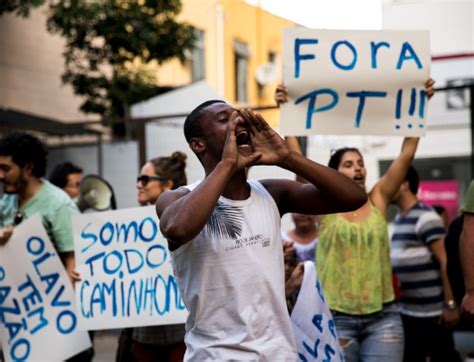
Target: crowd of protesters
240, 299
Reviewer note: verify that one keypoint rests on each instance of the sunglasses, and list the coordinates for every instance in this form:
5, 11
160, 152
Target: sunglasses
144, 179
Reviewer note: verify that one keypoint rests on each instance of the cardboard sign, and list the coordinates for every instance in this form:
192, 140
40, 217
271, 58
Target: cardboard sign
355, 82
314, 328
37, 311
127, 277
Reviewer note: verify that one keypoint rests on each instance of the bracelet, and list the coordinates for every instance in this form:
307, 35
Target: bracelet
451, 304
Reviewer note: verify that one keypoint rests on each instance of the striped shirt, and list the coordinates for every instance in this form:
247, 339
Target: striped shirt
414, 263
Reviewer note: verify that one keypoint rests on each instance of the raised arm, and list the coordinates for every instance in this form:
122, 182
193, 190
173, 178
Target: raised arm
385, 189
183, 214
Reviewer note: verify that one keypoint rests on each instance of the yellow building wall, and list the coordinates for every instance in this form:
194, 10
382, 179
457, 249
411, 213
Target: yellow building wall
258, 29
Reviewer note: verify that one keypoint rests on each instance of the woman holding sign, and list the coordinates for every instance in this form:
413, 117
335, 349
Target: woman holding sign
159, 343
353, 258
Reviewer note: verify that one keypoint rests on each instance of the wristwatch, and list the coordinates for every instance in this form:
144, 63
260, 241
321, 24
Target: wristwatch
451, 304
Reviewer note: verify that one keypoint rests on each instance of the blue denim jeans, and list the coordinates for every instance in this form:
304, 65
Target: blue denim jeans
376, 337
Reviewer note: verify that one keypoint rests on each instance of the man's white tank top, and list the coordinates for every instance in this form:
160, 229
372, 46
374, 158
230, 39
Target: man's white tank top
231, 279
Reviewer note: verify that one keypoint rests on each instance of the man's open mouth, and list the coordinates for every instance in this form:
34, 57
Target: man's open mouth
358, 178
243, 137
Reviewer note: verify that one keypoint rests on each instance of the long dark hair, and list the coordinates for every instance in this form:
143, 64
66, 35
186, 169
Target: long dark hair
336, 156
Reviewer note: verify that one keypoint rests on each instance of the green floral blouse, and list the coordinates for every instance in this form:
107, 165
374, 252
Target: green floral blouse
353, 261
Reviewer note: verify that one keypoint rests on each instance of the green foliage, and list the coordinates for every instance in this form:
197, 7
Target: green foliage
110, 43
20, 7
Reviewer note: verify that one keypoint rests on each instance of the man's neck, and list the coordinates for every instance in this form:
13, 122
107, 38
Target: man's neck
237, 188
407, 201
31, 188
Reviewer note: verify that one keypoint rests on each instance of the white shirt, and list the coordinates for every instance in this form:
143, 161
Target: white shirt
231, 279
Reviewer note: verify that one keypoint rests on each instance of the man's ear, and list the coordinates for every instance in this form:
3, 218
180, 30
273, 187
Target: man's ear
197, 145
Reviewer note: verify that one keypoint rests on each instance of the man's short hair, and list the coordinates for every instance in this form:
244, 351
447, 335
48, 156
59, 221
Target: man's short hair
60, 173
413, 180
25, 149
192, 124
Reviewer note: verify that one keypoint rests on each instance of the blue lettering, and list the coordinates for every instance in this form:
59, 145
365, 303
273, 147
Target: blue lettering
421, 112
119, 259
374, 48
298, 56
40, 260
14, 328
150, 293
320, 290
149, 258
302, 357
83, 286
411, 110
154, 229
167, 301
407, 53
111, 292
317, 321
329, 351
42, 322
137, 297
58, 303
60, 324
398, 105
312, 103
106, 227
362, 95
2, 273
85, 235
312, 352
131, 269
122, 296
50, 280
334, 48
332, 328
33, 296
126, 229
96, 298
15, 310
24, 350
32, 249
4, 292
93, 258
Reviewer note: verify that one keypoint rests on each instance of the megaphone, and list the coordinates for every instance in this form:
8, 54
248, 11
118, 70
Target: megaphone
96, 194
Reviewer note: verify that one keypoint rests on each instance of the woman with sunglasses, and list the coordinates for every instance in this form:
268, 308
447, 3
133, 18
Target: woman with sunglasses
353, 258
159, 343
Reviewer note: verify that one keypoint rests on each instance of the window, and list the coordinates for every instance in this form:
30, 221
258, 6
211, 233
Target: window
241, 69
197, 57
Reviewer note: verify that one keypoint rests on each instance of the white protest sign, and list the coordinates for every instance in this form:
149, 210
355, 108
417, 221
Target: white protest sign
37, 312
355, 82
315, 332
127, 277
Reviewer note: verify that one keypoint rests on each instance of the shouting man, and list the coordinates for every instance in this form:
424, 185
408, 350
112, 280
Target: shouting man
224, 233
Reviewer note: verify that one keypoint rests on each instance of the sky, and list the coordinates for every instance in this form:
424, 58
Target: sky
328, 14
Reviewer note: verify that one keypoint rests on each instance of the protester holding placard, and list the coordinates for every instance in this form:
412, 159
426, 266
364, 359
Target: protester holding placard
23, 160
160, 343
224, 234
353, 258
22, 168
